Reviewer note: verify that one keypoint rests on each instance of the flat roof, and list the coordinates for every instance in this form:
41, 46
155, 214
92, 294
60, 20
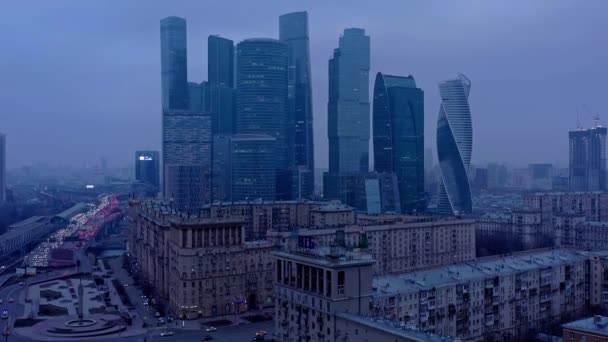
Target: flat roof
321, 256
395, 328
438, 277
597, 325
25, 226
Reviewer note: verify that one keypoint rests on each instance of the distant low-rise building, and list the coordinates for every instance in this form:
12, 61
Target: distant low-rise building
588, 329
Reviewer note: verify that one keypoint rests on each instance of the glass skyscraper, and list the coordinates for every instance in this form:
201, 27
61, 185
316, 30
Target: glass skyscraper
173, 51
253, 167
293, 31
454, 146
220, 63
588, 159
262, 100
147, 168
219, 93
348, 107
348, 115
186, 149
398, 123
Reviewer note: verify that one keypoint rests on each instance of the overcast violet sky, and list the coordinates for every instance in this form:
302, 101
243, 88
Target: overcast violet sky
81, 79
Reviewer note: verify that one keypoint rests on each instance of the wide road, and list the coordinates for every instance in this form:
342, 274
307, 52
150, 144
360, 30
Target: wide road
240, 333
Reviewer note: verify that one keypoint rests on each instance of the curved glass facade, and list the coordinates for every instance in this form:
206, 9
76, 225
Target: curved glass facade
398, 123
454, 146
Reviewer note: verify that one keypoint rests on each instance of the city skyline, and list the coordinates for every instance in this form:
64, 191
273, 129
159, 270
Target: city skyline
521, 72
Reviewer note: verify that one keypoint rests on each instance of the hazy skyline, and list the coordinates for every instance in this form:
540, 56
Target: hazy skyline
81, 80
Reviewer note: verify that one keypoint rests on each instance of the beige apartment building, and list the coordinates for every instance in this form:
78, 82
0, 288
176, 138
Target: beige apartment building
200, 266
399, 246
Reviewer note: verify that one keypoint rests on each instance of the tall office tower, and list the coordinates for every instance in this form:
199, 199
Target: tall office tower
454, 146
293, 31
187, 158
588, 159
2, 168
262, 101
196, 92
219, 92
348, 113
253, 165
220, 64
398, 121
147, 168
173, 53
220, 182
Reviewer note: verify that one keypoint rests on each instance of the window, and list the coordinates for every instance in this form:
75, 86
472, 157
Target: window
341, 282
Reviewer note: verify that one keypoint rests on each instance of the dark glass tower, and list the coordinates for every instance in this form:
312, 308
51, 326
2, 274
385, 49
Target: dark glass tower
147, 168
174, 64
588, 159
398, 123
293, 31
262, 100
220, 66
348, 106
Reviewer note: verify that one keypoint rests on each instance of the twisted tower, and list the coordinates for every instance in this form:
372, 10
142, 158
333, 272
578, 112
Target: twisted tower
454, 145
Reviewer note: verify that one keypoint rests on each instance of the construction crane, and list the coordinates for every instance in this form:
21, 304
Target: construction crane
596, 116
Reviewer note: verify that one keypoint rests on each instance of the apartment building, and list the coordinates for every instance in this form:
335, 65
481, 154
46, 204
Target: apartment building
494, 298
324, 295
199, 266
259, 217
398, 246
593, 205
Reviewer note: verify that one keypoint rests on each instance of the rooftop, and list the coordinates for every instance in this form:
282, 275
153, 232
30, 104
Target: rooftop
395, 328
597, 325
477, 270
328, 256
20, 228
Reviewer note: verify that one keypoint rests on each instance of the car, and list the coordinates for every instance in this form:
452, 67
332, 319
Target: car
126, 285
261, 333
21, 283
166, 333
4, 314
157, 314
10, 300
211, 329
146, 303
207, 338
161, 320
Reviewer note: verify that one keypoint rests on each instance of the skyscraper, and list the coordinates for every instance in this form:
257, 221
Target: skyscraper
398, 122
348, 115
220, 61
348, 107
187, 158
2, 168
147, 168
173, 51
293, 31
219, 93
588, 159
262, 100
253, 167
454, 146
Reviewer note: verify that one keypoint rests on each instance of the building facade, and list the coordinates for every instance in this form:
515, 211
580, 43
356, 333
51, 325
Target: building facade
200, 267
398, 246
254, 165
348, 110
174, 64
219, 93
398, 122
454, 146
187, 158
293, 31
262, 101
586, 330
147, 168
588, 159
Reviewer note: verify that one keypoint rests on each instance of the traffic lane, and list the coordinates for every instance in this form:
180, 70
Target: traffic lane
223, 334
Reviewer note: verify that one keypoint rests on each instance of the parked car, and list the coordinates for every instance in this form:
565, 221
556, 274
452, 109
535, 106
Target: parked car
166, 333
211, 329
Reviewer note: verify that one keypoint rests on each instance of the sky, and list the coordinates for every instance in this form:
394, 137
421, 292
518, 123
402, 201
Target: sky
80, 80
